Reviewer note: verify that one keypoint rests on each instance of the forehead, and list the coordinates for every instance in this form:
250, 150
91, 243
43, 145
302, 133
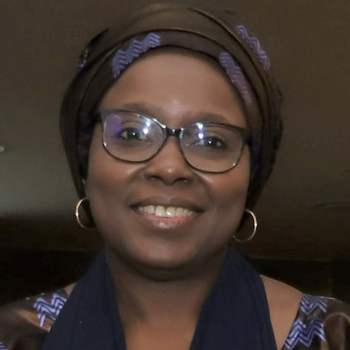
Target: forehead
176, 84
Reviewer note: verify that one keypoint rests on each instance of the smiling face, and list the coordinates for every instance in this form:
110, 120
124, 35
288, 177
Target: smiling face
162, 213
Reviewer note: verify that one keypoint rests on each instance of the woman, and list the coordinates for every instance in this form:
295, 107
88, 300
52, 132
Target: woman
171, 128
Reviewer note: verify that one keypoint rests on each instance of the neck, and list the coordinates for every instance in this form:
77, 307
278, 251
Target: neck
151, 296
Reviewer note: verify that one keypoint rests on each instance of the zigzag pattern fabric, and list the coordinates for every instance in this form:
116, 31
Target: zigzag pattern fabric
306, 329
254, 44
2, 346
124, 58
310, 303
305, 333
49, 309
236, 76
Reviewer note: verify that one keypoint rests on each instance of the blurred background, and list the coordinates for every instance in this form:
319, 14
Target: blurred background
304, 213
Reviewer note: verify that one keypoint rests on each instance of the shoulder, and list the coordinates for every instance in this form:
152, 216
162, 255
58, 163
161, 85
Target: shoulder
306, 322
28, 320
321, 323
284, 302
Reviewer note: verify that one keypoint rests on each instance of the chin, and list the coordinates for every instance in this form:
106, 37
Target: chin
165, 258
161, 263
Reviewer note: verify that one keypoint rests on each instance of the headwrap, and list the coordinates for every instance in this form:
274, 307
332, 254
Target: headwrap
196, 28
235, 315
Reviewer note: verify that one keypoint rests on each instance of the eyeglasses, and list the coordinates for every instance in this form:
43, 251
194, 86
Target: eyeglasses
206, 146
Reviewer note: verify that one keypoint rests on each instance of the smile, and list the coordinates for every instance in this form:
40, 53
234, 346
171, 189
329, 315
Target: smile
166, 212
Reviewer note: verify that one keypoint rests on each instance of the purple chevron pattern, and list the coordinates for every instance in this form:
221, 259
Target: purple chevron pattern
255, 45
307, 329
49, 309
123, 58
236, 76
305, 333
310, 303
2, 346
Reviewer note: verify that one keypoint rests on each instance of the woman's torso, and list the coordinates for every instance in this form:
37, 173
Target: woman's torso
319, 323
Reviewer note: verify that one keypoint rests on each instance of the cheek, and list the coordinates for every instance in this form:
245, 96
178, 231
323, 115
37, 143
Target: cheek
232, 187
105, 177
98, 183
104, 171
99, 174
108, 192
229, 194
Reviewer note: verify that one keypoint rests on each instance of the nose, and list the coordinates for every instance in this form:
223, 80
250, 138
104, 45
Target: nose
169, 165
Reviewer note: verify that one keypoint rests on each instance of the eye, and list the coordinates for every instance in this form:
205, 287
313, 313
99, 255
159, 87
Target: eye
211, 142
132, 134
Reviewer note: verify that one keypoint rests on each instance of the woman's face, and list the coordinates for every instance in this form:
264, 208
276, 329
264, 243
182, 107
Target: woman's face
178, 89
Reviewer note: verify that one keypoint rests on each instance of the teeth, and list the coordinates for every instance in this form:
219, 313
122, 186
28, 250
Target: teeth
150, 209
160, 211
169, 212
180, 212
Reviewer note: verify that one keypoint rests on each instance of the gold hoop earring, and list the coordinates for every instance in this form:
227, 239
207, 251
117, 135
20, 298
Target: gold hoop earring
77, 215
255, 226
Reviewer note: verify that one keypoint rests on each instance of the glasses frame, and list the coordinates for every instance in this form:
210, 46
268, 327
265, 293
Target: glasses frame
178, 133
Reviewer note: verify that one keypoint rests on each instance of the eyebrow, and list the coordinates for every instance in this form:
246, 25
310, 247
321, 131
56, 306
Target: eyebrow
191, 117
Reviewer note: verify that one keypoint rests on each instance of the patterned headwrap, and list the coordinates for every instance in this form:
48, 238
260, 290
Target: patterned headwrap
197, 28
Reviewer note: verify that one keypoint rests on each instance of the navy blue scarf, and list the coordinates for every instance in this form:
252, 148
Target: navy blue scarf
235, 315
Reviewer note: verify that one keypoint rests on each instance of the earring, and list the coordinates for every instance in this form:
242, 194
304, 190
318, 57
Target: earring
255, 226
77, 215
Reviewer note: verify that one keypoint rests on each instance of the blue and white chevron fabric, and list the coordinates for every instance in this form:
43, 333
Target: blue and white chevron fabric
124, 57
236, 76
306, 329
310, 303
49, 309
254, 44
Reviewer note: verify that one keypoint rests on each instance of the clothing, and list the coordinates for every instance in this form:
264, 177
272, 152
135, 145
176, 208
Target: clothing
236, 302
202, 29
320, 324
318, 320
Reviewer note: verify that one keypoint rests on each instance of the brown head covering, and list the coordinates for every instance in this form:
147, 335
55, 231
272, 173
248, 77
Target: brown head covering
193, 27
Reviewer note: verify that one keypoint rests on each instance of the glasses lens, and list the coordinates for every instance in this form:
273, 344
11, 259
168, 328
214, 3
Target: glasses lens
130, 136
212, 147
